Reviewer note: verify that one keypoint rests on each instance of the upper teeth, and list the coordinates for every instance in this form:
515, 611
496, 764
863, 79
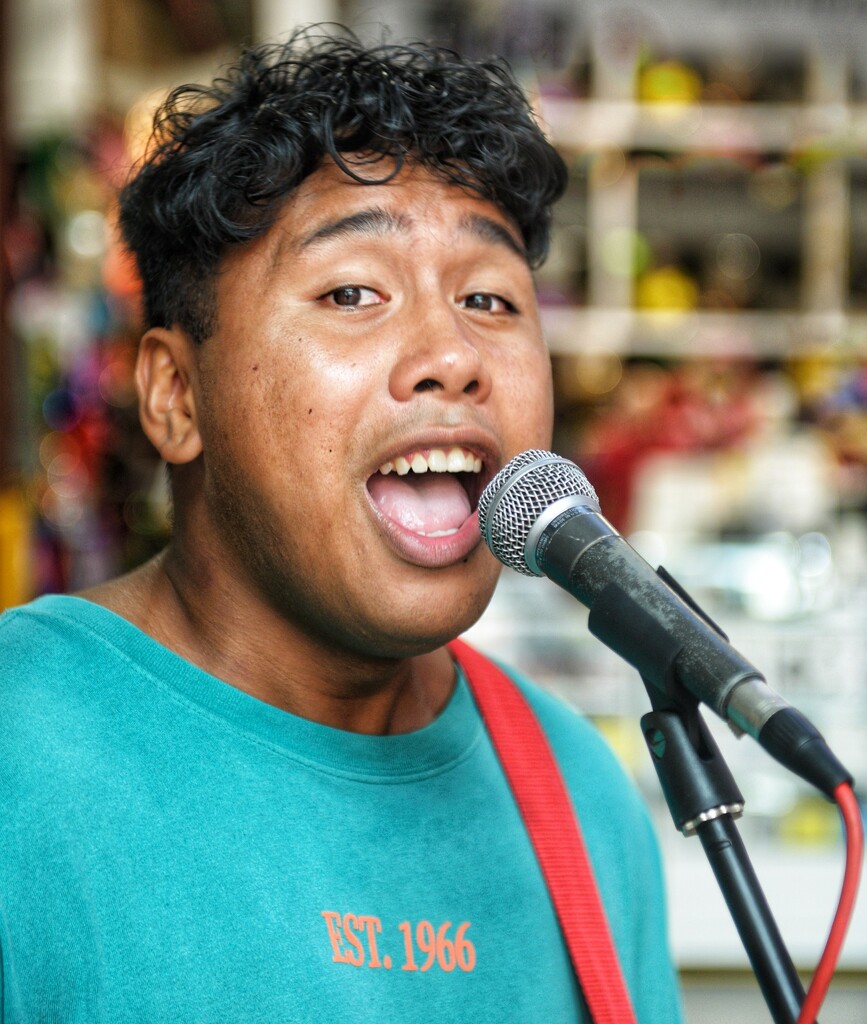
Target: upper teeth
436, 460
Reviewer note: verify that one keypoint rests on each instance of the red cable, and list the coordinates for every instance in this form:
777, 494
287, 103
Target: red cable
854, 828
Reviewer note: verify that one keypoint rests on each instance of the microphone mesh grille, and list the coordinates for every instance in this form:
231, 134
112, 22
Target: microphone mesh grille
519, 494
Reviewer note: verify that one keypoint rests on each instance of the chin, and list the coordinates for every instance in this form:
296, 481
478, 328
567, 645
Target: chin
438, 620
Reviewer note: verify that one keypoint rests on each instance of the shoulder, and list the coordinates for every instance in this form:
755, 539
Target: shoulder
58, 664
582, 752
33, 635
55, 631
42, 645
614, 817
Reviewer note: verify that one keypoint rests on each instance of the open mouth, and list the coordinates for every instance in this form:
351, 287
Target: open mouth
431, 492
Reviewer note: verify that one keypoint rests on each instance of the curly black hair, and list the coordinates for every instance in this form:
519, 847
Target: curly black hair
223, 158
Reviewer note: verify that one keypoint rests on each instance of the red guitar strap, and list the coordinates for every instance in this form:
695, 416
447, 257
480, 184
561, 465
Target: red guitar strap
552, 825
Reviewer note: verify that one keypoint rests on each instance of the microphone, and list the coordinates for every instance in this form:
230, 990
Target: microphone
540, 516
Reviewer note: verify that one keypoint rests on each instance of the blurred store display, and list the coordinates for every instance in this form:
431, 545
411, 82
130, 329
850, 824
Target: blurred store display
705, 307
92, 485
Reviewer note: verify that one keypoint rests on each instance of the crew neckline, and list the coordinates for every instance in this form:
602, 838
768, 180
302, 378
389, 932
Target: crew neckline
446, 741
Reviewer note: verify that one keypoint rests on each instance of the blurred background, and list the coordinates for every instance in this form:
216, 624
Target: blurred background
706, 308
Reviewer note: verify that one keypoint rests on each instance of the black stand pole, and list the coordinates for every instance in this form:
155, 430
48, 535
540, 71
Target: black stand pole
704, 800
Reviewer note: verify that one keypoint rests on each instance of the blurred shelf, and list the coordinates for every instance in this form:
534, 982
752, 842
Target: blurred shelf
763, 334
707, 127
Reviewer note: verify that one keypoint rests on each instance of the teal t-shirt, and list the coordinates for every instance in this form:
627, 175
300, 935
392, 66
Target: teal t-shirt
174, 850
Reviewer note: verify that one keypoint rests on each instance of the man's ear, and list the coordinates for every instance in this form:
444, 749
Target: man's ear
167, 406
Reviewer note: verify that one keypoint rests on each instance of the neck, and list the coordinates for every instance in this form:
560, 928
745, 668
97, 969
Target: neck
250, 646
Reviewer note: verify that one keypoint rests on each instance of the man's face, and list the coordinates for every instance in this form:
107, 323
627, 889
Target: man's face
375, 327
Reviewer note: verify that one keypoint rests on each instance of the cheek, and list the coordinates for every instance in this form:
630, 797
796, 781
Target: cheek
530, 397
545, 387
314, 408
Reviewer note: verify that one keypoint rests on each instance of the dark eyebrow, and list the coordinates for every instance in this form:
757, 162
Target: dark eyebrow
375, 221
379, 221
489, 230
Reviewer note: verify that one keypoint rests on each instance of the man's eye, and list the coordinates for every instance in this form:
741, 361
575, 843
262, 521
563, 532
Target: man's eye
488, 303
352, 295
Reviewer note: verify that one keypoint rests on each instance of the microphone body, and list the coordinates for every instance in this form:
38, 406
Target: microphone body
540, 516
637, 613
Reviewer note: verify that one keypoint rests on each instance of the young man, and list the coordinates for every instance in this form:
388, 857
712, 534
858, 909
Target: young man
248, 782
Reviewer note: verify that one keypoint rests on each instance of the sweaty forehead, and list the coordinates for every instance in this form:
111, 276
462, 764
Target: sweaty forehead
329, 206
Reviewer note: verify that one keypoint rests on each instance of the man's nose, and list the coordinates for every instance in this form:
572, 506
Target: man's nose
441, 355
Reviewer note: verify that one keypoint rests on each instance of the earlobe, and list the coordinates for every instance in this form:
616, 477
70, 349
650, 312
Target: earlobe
167, 405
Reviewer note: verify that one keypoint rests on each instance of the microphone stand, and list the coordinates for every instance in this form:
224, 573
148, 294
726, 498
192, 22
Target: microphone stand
704, 800
698, 786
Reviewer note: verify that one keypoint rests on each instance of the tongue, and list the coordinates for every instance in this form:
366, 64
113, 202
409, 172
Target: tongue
425, 503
